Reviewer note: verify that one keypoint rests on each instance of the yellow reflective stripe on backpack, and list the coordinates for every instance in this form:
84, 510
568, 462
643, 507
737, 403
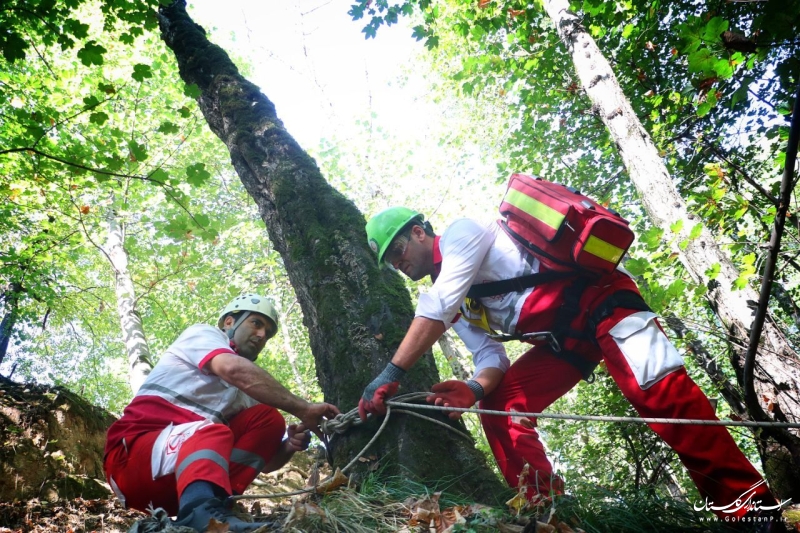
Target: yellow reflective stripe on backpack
544, 213
603, 250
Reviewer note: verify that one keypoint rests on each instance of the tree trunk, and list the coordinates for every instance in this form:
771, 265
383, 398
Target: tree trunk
355, 312
136, 347
777, 373
11, 298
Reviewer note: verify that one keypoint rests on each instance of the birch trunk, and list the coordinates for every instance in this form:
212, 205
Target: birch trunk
136, 347
291, 354
777, 373
356, 314
453, 356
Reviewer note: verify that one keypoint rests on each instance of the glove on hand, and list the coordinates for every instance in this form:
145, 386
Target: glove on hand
456, 393
382, 387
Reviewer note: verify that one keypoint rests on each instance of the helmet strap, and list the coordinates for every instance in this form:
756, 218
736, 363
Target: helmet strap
237, 323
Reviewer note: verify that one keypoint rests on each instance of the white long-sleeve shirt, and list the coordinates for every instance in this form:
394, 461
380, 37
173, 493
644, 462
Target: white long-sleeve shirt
471, 253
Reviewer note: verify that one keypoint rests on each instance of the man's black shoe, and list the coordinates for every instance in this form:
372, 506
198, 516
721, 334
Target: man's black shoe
215, 508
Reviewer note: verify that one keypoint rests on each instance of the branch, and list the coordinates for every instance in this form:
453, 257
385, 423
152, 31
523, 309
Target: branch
77, 165
167, 190
749, 179
751, 398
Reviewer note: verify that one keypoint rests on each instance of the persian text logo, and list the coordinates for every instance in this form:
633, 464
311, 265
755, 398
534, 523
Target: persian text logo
746, 501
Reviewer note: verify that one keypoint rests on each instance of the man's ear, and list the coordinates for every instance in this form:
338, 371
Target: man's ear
228, 322
418, 232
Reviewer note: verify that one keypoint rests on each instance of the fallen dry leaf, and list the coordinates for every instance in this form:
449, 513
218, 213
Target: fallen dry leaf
301, 510
541, 527
334, 482
518, 502
564, 528
452, 517
424, 510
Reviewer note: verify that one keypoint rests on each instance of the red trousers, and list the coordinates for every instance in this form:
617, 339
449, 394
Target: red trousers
719, 469
228, 456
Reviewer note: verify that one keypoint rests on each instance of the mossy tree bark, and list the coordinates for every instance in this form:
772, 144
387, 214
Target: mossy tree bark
11, 300
777, 374
356, 313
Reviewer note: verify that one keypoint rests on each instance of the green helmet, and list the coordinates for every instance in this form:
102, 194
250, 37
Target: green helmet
384, 227
251, 303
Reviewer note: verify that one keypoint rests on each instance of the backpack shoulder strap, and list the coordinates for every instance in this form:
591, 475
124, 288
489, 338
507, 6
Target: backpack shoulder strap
493, 288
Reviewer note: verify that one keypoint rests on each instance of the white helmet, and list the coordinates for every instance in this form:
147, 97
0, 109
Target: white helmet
250, 303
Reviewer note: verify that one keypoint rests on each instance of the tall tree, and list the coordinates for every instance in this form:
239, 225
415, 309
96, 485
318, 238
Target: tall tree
356, 313
136, 347
699, 251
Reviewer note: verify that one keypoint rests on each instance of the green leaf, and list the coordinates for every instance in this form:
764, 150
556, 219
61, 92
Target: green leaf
723, 68
98, 118
637, 267
168, 127
184, 112
713, 272
78, 29
202, 220
701, 61
177, 228
12, 45
432, 42
697, 229
741, 282
652, 238
714, 29
91, 54
627, 30
197, 174
703, 109
106, 88
677, 226
141, 72
159, 175
138, 151
594, 7
677, 288
192, 91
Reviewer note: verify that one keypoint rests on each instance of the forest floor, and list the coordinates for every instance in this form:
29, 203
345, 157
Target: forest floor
377, 508
52, 450
370, 509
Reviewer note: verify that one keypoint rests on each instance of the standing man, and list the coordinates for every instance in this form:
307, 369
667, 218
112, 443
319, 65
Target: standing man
205, 423
606, 319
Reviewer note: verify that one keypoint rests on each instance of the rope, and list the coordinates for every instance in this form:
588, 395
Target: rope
598, 418
343, 422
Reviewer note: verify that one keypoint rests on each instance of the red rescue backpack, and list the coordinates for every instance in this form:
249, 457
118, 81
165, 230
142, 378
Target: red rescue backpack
566, 230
